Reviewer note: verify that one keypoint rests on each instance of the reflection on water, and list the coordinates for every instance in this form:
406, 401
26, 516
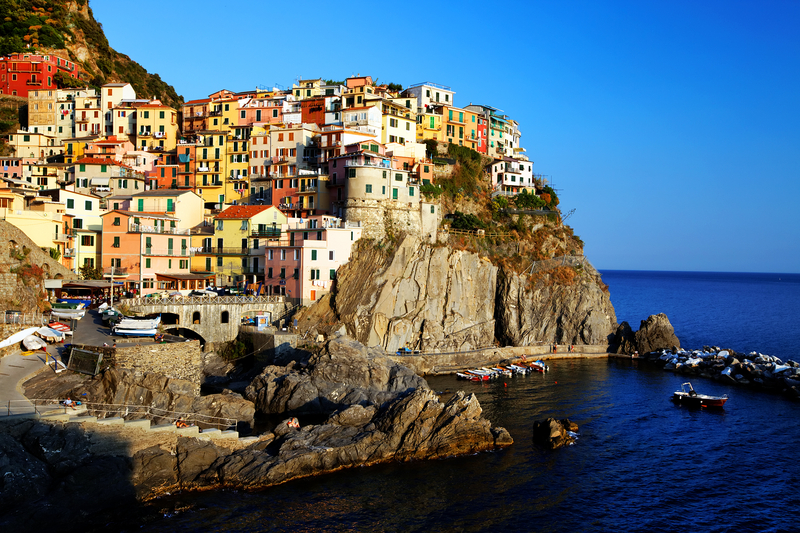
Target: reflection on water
640, 464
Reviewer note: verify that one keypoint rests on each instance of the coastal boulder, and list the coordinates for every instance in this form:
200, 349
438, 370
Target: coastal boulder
625, 339
551, 433
656, 333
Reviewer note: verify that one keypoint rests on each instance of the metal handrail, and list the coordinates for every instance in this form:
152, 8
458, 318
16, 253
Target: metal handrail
48, 406
192, 300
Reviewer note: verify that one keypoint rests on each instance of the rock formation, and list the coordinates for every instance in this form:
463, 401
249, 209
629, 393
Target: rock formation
345, 373
656, 333
436, 298
551, 433
126, 387
562, 306
754, 370
54, 469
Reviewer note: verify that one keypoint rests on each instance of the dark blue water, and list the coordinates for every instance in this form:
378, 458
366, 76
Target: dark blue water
640, 463
743, 311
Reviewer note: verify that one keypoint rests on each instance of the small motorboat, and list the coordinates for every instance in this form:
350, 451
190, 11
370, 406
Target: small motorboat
122, 332
688, 396
538, 366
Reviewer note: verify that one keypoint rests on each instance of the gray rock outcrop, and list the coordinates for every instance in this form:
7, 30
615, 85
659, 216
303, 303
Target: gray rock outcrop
436, 298
656, 333
575, 312
344, 374
126, 387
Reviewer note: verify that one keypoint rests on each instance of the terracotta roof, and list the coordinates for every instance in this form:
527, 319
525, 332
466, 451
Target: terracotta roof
200, 101
99, 161
243, 211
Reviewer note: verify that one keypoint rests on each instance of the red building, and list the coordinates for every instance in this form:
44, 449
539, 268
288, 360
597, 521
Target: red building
23, 72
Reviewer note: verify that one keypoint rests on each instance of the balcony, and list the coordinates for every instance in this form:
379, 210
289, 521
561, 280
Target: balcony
376, 164
61, 237
33, 82
118, 271
224, 250
269, 232
309, 188
144, 133
141, 228
251, 270
69, 252
169, 252
160, 135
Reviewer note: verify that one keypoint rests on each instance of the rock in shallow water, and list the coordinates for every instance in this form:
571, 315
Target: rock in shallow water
551, 433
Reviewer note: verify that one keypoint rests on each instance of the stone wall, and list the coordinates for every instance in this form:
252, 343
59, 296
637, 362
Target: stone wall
377, 217
178, 360
13, 293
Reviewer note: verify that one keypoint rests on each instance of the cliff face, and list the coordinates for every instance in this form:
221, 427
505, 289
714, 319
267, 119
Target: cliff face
431, 298
435, 298
565, 305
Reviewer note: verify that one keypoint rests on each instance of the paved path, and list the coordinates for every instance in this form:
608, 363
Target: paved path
15, 369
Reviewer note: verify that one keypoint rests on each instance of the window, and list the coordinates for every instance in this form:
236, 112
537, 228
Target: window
369, 188
219, 225
332, 274
219, 261
116, 242
433, 209
296, 274
331, 255
87, 205
283, 273
116, 221
394, 194
398, 177
87, 240
383, 190
77, 223
313, 255
411, 191
70, 203
147, 263
88, 262
116, 262
319, 235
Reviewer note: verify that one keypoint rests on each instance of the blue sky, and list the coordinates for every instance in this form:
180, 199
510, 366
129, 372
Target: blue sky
672, 128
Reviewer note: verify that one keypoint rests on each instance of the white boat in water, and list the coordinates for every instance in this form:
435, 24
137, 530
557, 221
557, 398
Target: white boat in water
138, 323
32, 342
135, 332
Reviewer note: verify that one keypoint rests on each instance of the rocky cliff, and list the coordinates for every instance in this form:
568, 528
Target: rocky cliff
437, 298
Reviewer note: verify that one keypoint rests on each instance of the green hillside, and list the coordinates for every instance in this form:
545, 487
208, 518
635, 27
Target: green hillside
68, 28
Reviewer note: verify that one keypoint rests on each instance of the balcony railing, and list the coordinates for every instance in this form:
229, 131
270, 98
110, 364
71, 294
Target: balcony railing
251, 270
169, 252
144, 133
224, 250
118, 271
62, 237
378, 164
269, 232
69, 252
141, 228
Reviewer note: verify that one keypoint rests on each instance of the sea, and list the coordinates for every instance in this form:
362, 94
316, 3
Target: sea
640, 463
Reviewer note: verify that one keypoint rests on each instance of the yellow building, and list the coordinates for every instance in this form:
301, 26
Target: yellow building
307, 89
212, 157
239, 242
156, 127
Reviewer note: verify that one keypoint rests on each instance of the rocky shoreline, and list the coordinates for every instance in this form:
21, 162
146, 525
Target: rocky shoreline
372, 410
754, 370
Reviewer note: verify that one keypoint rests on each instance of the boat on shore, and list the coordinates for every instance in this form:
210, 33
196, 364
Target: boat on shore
122, 332
137, 323
33, 343
688, 396
68, 314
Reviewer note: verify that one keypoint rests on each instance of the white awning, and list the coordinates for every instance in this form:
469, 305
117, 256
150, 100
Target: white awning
100, 181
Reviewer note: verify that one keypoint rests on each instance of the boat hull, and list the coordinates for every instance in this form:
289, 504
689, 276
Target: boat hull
699, 400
